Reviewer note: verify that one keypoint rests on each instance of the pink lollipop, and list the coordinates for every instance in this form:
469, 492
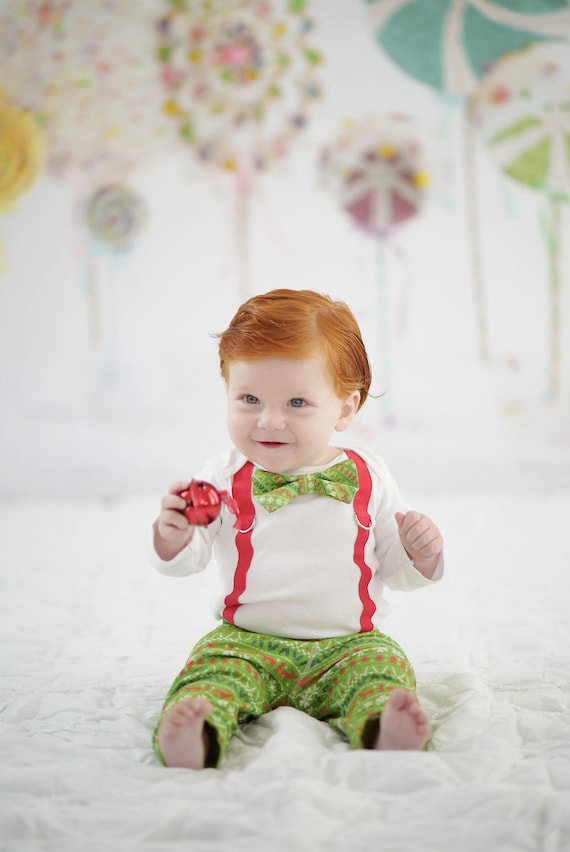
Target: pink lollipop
377, 170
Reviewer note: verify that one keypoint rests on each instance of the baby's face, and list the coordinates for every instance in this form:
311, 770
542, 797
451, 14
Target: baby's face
282, 412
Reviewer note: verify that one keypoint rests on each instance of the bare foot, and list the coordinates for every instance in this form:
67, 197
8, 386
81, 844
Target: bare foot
182, 736
403, 723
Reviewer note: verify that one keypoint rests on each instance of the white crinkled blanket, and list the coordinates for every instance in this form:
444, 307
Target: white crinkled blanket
91, 638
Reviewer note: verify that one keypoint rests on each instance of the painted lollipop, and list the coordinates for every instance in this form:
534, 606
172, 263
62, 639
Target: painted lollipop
522, 111
88, 73
239, 78
115, 214
21, 153
21, 158
377, 169
448, 45
239, 82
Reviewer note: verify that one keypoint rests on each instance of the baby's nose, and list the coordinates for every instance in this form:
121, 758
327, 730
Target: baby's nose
270, 418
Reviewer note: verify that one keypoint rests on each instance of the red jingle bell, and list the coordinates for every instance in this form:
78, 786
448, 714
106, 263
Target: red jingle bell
203, 503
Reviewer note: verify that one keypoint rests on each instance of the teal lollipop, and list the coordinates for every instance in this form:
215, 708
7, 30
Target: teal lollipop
449, 45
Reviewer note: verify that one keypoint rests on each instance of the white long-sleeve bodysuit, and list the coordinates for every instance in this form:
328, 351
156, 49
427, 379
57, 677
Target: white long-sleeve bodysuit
298, 572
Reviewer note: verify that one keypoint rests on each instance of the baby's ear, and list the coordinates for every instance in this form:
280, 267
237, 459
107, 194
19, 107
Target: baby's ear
348, 410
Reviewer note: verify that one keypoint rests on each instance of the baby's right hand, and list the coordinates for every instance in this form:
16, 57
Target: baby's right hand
172, 532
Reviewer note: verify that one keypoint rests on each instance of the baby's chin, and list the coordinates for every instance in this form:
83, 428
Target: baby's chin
283, 457
273, 455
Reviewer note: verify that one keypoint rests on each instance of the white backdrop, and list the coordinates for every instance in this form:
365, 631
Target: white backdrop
90, 436
146, 404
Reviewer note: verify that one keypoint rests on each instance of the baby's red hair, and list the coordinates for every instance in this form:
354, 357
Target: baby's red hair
299, 324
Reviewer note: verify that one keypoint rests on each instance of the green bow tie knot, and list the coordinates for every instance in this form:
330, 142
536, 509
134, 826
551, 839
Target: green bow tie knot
274, 490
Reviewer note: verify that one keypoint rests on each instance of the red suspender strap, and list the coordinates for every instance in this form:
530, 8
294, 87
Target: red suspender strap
361, 503
241, 492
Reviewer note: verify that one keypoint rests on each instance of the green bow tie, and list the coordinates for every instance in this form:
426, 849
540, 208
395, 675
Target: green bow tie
274, 490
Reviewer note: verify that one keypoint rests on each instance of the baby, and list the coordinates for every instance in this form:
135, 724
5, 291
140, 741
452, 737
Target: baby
311, 536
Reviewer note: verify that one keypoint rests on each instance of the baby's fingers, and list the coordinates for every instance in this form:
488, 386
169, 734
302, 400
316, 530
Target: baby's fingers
419, 533
177, 487
173, 500
172, 520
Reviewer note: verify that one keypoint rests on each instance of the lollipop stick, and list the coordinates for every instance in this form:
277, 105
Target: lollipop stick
474, 241
384, 324
93, 301
3, 257
553, 235
243, 192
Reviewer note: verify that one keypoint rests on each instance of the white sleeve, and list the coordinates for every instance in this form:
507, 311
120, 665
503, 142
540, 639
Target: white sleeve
396, 569
191, 560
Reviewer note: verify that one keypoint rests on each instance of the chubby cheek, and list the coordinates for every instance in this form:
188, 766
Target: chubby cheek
230, 425
238, 428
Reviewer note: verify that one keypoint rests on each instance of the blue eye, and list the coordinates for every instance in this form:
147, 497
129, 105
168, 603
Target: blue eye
250, 399
297, 402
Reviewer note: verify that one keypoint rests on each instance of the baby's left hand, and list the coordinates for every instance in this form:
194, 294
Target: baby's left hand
421, 539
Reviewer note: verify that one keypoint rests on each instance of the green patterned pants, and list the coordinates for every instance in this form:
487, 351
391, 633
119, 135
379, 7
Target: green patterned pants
345, 681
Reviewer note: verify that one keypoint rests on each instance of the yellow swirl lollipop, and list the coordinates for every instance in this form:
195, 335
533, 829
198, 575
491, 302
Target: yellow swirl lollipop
21, 152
